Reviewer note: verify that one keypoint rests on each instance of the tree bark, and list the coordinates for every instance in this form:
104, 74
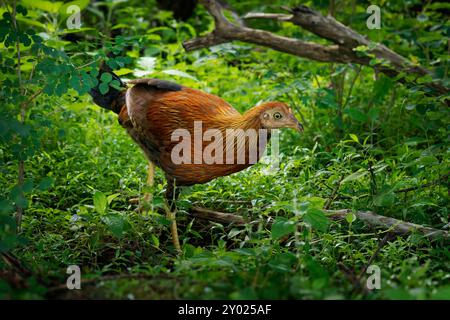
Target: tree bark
344, 38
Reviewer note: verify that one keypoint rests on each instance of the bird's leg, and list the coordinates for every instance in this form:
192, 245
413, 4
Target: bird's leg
171, 196
148, 196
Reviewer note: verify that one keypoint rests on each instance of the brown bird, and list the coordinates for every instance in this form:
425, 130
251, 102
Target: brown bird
193, 136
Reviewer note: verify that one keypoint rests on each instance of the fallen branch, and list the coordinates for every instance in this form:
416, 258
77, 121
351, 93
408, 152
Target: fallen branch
397, 226
369, 218
216, 216
344, 38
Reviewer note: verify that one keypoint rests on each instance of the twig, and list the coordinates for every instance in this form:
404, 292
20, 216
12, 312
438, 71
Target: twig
374, 255
372, 178
429, 184
87, 64
333, 193
350, 274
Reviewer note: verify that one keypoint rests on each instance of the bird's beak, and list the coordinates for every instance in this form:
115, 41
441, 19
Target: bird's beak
296, 124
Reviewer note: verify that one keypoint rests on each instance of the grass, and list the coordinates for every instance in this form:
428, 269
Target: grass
64, 225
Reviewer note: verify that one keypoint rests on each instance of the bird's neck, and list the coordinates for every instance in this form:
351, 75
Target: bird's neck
251, 119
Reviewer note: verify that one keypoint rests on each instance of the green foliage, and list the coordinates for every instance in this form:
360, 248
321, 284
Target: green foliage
370, 134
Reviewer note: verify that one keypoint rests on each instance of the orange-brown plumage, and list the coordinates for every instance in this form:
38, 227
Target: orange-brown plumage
154, 111
151, 115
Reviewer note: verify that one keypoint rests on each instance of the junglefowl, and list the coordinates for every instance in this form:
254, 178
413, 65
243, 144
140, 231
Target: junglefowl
158, 114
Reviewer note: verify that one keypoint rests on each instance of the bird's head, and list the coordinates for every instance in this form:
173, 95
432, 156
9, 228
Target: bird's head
277, 115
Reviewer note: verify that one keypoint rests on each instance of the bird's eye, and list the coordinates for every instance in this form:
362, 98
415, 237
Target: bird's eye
277, 116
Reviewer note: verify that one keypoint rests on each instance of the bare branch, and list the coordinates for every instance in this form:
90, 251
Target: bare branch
225, 31
369, 218
398, 226
275, 16
216, 216
344, 38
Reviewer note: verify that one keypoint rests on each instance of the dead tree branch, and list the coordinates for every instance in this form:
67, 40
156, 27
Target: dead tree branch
216, 216
367, 217
344, 39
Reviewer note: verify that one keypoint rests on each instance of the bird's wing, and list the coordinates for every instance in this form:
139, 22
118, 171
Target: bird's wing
157, 109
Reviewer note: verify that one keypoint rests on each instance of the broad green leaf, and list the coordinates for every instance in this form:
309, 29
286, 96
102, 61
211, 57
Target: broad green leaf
281, 228
317, 219
104, 88
111, 197
350, 217
48, 6
283, 261
106, 77
115, 84
116, 223
100, 202
45, 183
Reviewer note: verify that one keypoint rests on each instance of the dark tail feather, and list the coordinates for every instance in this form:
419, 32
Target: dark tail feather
114, 99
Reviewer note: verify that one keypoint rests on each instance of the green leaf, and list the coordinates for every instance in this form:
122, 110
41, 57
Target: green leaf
43, 5
354, 137
115, 84
117, 224
104, 88
355, 176
106, 77
281, 228
317, 219
45, 183
282, 262
357, 115
100, 202
111, 197
155, 240
350, 217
